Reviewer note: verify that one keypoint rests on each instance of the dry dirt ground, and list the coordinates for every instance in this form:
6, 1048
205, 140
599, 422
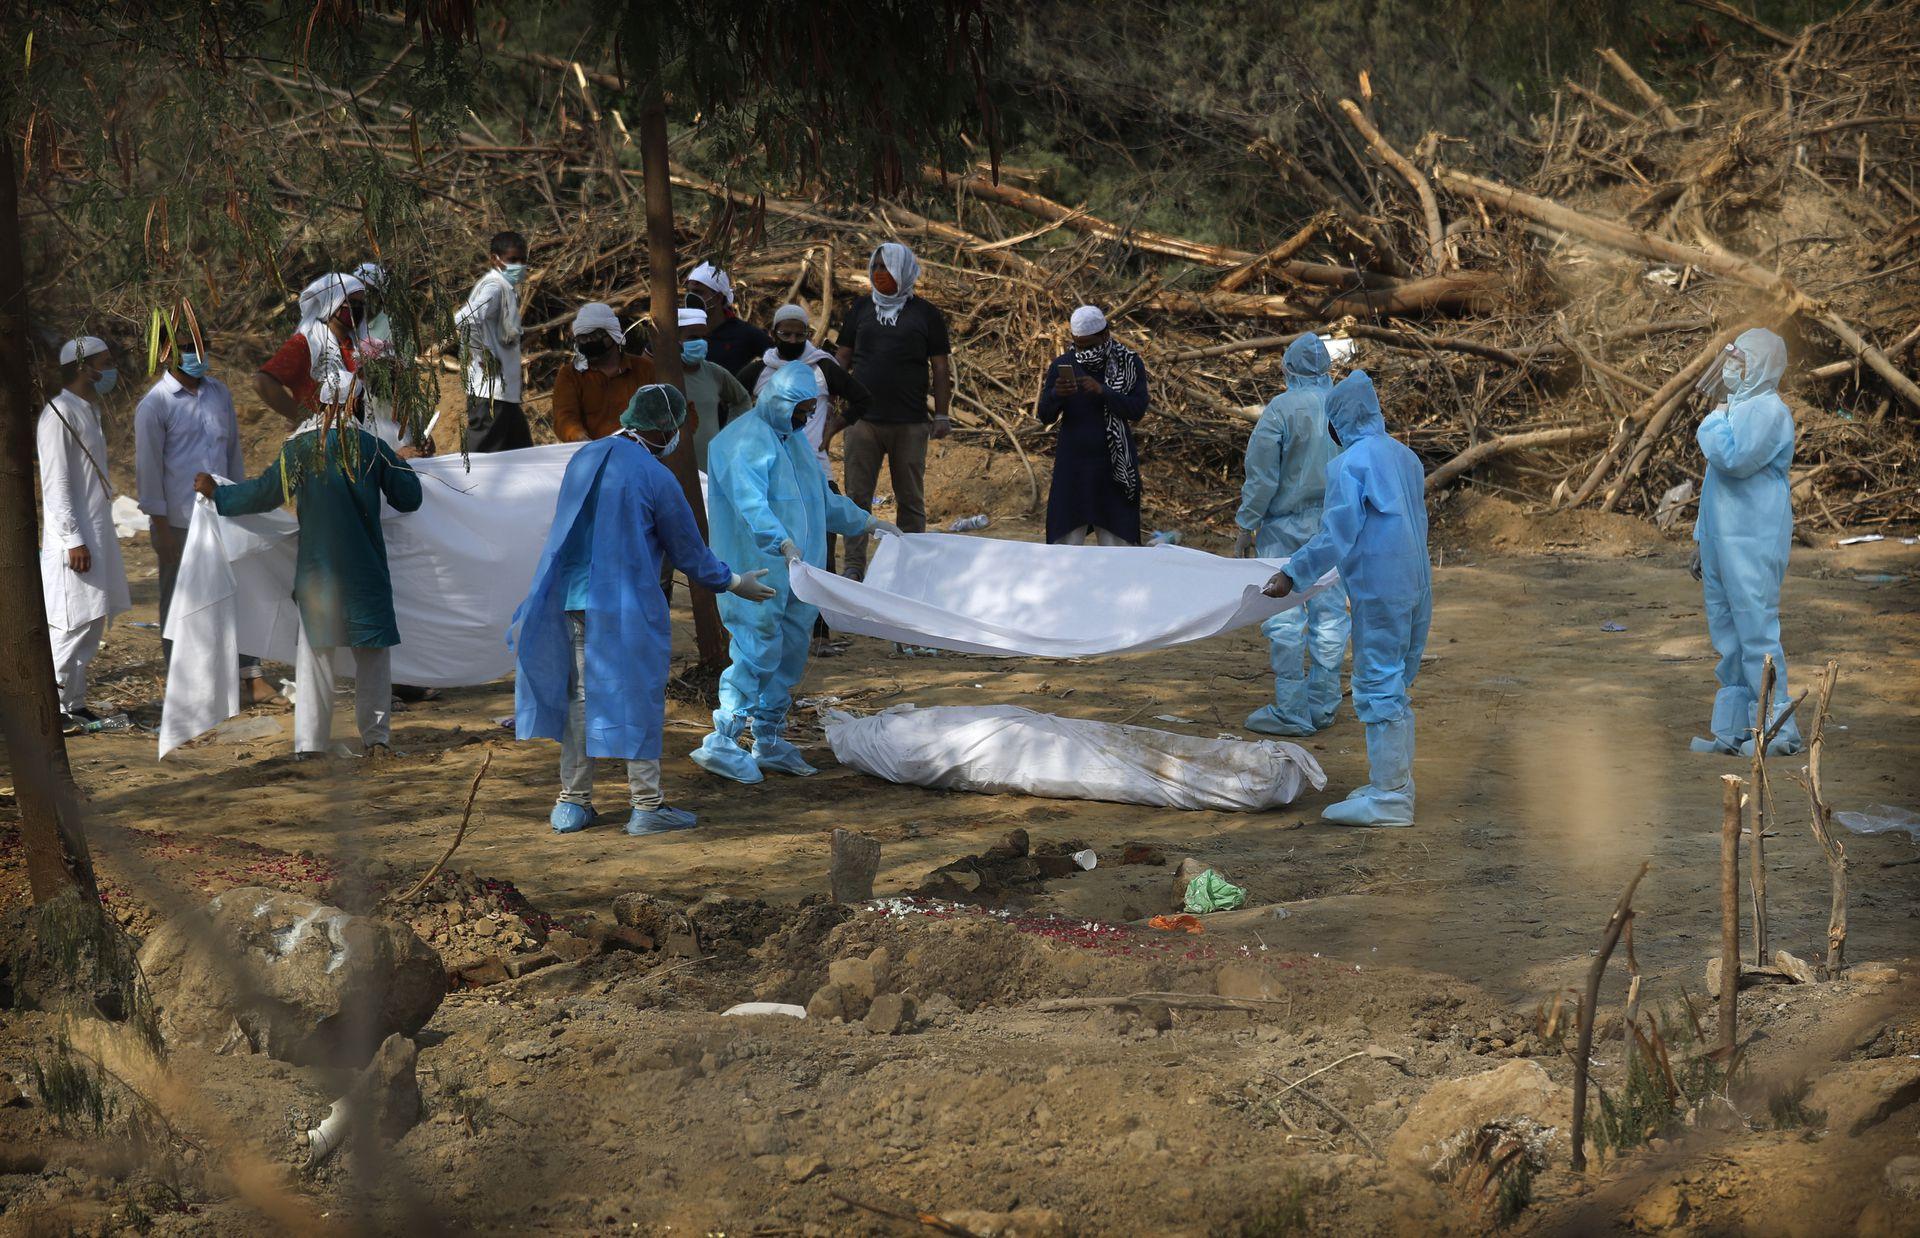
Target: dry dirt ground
605, 1095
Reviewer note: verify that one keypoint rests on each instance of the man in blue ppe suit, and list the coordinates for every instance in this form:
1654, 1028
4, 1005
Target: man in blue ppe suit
1280, 504
768, 506
1374, 530
591, 637
1744, 531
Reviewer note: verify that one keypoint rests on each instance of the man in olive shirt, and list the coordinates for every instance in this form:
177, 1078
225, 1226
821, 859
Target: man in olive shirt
895, 344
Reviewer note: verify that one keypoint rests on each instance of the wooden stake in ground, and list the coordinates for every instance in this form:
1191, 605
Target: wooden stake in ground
1616, 924
1830, 846
1730, 785
854, 861
1757, 854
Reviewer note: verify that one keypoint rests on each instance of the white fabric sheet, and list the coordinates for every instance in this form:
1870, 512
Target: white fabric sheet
982, 595
1004, 749
460, 566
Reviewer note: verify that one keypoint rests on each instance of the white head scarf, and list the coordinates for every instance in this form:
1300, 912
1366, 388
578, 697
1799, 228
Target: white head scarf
322, 299
82, 348
714, 278
905, 269
1088, 320
691, 317
596, 316
372, 274
791, 312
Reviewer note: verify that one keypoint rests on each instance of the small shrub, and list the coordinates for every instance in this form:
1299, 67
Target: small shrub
71, 1088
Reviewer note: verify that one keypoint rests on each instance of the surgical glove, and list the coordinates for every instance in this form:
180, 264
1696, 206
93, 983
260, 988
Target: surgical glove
750, 586
1242, 545
790, 552
1693, 565
885, 528
1280, 586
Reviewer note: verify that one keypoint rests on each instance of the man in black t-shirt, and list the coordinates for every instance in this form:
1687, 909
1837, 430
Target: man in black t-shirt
895, 344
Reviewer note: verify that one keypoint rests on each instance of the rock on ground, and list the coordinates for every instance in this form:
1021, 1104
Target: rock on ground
262, 971
389, 1088
1857, 1095
1519, 1089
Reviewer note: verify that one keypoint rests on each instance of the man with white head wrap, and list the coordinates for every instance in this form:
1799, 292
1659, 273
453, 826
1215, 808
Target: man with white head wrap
323, 347
896, 344
335, 474
714, 393
790, 346
489, 326
81, 575
732, 341
590, 393
1096, 390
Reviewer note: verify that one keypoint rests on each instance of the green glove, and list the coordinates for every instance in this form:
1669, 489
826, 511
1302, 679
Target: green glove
1212, 892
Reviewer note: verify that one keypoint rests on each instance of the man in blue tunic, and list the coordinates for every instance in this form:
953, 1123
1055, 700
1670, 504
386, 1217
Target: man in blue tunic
1744, 531
768, 506
1096, 391
591, 639
1280, 504
1374, 529
335, 473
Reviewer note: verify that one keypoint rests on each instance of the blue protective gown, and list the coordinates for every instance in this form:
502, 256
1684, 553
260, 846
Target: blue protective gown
1745, 529
626, 511
1280, 504
1374, 529
764, 487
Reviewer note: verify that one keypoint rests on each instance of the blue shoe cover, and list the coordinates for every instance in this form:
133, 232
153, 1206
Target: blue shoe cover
718, 754
1387, 801
570, 818
659, 820
1267, 720
775, 753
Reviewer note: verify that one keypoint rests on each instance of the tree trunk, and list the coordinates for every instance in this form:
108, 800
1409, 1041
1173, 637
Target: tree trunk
1466, 291
709, 636
50, 833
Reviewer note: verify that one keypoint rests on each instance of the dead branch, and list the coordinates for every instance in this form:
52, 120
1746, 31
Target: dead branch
1429, 205
1733, 14
1046, 208
466, 815
1822, 820
1638, 85
1482, 452
1589, 1006
1238, 278
1730, 786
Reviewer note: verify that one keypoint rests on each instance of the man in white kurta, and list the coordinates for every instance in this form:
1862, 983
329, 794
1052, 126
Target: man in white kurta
81, 575
185, 425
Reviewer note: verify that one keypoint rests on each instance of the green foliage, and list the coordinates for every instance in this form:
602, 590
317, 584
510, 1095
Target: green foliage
166, 165
1667, 1077
857, 93
71, 1088
1515, 1193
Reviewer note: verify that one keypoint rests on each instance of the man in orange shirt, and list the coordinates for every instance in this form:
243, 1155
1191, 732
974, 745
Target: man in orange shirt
590, 394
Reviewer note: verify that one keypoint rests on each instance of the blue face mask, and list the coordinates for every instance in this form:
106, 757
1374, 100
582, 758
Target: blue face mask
515, 272
193, 365
693, 351
103, 381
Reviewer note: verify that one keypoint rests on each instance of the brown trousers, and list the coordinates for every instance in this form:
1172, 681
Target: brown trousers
903, 445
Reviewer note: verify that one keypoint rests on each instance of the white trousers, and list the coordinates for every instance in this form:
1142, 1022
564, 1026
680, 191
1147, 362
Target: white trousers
313, 696
576, 767
73, 649
1078, 537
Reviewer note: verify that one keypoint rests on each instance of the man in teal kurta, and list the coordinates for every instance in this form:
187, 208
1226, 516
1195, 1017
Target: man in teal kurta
335, 476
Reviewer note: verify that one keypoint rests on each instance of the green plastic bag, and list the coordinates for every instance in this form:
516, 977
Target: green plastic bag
1212, 892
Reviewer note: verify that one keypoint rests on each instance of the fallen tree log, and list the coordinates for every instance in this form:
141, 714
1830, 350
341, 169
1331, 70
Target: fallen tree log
1429, 205
1480, 453
1717, 260
1046, 208
1359, 331
1638, 85
1461, 292
1358, 222
1239, 277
